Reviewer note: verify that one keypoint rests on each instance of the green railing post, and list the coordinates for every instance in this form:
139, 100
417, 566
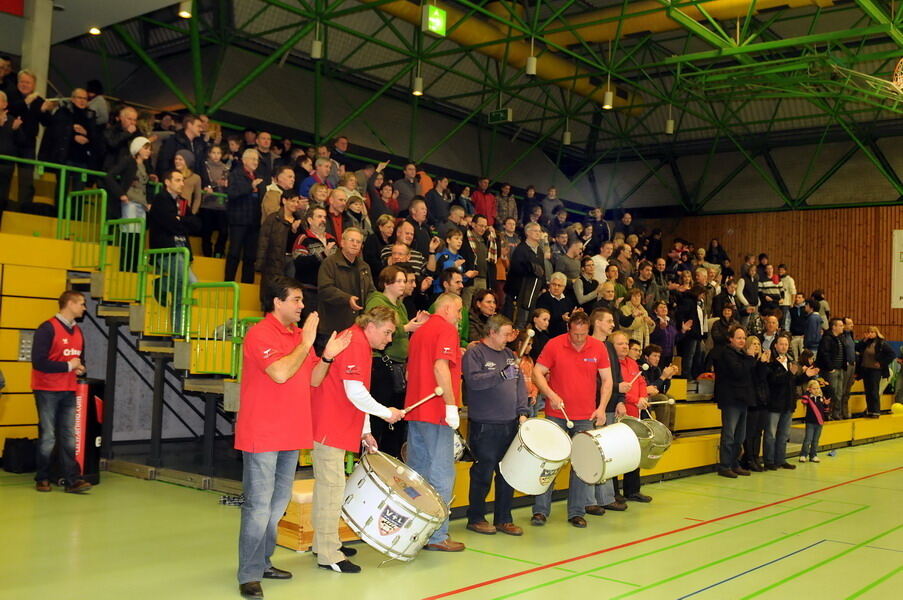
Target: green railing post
238, 342
212, 324
83, 215
128, 236
166, 300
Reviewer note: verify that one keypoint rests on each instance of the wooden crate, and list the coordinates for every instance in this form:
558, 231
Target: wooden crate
296, 530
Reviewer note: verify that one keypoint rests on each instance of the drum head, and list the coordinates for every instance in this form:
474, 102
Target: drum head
586, 460
406, 483
545, 439
641, 428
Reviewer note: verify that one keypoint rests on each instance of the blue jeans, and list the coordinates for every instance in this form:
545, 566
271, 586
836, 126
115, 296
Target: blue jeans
580, 494
733, 433
56, 423
431, 452
489, 442
810, 440
776, 435
267, 479
604, 493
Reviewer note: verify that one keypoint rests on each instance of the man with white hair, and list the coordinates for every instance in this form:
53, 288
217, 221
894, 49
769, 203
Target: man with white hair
320, 175
118, 138
344, 282
336, 220
243, 212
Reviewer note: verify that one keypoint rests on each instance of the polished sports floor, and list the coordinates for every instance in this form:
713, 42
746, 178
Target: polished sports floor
828, 530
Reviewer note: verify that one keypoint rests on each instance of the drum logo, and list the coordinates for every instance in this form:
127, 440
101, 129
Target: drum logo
547, 475
390, 521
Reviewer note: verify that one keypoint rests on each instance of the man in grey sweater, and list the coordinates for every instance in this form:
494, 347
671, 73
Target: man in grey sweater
497, 404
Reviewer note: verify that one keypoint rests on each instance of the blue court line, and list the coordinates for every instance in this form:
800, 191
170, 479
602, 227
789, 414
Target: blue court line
872, 547
771, 562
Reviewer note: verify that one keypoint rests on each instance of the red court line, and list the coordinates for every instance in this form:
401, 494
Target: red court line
650, 538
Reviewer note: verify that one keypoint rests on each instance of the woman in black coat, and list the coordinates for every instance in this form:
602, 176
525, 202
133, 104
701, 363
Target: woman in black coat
735, 392
783, 377
874, 357
757, 415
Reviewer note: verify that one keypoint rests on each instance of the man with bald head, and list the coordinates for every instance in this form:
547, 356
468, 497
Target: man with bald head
72, 137
118, 137
335, 212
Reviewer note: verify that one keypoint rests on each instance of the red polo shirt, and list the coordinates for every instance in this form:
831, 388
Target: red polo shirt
629, 370
337, 422
572, 374
437, 339
484, 204
273, 416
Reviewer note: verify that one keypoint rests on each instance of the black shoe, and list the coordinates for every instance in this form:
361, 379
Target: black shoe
787, 466
756, 467
538, 520
595, 510
579, 522
616, 506
79, 487
348, 551
638, 497
727, 473
343, 566
620, 498
771, 467
741, 471
274, 573
251, 589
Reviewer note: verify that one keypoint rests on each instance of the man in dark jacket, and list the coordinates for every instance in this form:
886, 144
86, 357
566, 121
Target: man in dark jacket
118, 138
832, 361
344, 282
33, 111
526, 276
72, 137
690, 307
7, 147
735, 392
243, 212
274, 247
189, 138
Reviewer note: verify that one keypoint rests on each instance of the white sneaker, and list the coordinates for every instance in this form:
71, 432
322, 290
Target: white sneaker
802, 459
814, 459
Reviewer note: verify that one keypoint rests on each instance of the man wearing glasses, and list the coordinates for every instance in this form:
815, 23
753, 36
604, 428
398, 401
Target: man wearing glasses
72, 137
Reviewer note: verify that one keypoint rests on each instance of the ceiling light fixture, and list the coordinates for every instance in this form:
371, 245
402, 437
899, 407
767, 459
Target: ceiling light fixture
94, 31
185, 9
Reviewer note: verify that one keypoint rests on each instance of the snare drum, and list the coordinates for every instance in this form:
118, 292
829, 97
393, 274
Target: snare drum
535, 456
598, 455
391, 507
658, 445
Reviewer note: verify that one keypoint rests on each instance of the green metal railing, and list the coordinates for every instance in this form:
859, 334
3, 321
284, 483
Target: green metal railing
81, 220
212, 327
121, 259
238, 343
62, 180
164, 284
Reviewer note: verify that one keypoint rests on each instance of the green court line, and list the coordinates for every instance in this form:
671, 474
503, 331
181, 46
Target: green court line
534, 563
875, 583
742, 553
821, 563
656, 551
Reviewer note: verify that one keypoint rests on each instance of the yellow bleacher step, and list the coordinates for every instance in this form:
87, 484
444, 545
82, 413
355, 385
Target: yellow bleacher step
33, 282
25, 313
9, 344
18, 409
18, 377
864, 429
203, 385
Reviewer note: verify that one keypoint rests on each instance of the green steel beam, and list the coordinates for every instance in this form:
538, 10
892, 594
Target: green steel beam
263, 66
460, 125
779, 179
877, 14
133, 45
704, 33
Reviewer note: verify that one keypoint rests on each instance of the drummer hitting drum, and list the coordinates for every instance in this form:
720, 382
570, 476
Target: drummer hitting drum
497, 404
340, 407
565, 374
635, 400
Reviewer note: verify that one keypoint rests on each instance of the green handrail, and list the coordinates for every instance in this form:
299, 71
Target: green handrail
123, 277
238, 343
165, 298
212, 323
82, 218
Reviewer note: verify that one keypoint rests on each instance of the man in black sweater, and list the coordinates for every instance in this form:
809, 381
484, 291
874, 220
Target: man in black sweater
832, 361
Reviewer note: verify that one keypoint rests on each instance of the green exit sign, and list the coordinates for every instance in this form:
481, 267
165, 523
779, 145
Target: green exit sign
502, 115
434, 19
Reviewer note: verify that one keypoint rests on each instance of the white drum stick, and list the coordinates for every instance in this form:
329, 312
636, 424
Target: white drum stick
436, 392
668, 401
568, 421
523, 348
645, 367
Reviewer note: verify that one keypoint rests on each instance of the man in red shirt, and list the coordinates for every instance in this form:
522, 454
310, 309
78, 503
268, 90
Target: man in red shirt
434, 359
635, 400
341, 404
274, 422
565, 374
56, 355
484, 200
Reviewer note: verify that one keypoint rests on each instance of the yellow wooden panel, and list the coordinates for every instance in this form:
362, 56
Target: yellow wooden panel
25, 313
249, 295
34, 282
800, 411
696, 415
18, 377
9, 344
687, 453
678, 389
31, 225
208, 356
858, 387
33, 251
18, 409
833, 432
864, 429
24, 431
886, 401
857, 403
208, 269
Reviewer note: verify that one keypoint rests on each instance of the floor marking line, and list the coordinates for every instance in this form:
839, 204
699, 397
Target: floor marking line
875, 583
748, 571
692, 519
656, 551
741, 553
871, 547
821, 563
653, 537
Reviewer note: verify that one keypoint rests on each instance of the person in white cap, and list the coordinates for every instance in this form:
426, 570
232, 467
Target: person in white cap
126, 185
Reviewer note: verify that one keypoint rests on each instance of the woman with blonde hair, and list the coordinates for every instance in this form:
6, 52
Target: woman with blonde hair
318, 194
193, 186
348, 184
874, 357
642, 324
757, 414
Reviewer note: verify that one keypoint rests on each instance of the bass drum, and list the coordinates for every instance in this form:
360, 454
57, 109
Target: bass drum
598, 455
